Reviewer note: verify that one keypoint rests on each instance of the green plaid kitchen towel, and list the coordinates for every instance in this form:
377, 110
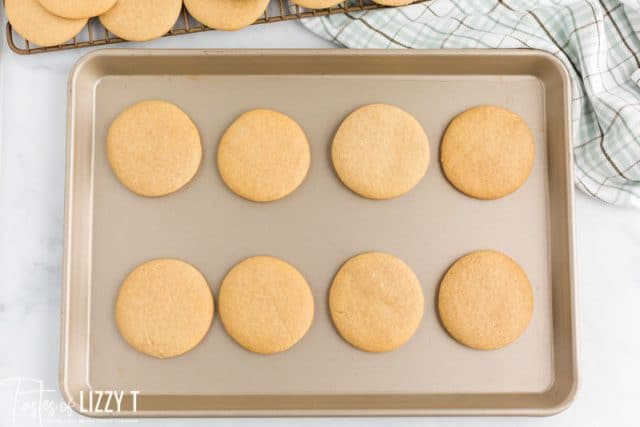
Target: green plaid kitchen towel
598, 41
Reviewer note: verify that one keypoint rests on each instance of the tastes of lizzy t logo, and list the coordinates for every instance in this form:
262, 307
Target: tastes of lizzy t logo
107, 401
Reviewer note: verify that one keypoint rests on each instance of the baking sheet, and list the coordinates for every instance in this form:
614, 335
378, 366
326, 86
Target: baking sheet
110, 230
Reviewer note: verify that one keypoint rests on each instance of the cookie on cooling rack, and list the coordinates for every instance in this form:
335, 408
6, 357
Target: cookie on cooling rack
228, 15
394, 3
141, 20
39, 26
77, 9
317, 4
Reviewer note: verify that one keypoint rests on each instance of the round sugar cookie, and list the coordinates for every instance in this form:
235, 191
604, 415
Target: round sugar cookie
317, 4
485, 300
263, 156
41, 27
141, 20
380, 151
164, 308
487, 152
154, 148
265, 304
76, 9
226, 15
376, 302
394, 2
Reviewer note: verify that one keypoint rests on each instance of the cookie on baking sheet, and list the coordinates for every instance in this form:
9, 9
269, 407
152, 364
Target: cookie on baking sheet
141, 20
485, 300
154, 148
380, 151
376, 302
265, 304
164, 308
76, 9
263, 155
39, 26
226, 15
317, 4
487, 152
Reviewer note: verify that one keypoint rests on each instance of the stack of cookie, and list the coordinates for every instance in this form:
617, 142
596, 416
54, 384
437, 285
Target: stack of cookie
376, 301
54, 22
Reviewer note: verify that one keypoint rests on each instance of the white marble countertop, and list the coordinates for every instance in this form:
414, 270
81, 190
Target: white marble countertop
32, 146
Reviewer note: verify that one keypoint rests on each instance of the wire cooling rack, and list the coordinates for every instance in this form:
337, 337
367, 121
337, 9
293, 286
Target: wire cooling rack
94, 34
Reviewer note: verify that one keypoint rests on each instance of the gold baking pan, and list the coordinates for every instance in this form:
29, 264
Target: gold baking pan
109, 230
